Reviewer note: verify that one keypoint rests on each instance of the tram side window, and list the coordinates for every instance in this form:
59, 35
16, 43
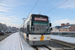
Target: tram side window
27, 28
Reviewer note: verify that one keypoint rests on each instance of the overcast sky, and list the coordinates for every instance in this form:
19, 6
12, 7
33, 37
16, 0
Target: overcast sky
12, 11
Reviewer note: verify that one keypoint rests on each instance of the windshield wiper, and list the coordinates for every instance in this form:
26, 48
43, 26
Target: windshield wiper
47, 28
45, 31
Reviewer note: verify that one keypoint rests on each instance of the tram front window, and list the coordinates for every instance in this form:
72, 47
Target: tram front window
40, 26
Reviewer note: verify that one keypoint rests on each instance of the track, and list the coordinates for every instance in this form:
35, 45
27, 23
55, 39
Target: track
43, 47
35, 48
47, 47
64, 45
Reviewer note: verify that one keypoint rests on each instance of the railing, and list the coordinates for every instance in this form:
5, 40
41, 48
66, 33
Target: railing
67, 34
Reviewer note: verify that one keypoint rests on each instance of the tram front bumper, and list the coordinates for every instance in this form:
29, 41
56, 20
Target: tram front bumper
39, 42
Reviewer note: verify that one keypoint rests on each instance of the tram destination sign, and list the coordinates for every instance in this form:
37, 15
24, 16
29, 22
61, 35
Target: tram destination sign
42, 19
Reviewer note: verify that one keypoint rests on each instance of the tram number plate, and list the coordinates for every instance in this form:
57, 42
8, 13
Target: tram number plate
41, 38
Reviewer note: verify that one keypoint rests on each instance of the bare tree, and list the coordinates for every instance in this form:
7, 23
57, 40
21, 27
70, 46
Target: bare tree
4, 27
1, 26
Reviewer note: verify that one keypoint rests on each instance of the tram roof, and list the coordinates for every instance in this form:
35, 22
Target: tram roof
38, 15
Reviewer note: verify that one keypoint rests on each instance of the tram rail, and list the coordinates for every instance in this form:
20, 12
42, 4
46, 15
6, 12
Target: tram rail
64, 43
47, 47
41, 47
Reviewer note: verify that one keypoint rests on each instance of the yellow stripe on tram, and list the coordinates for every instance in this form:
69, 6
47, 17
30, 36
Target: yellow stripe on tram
42, 38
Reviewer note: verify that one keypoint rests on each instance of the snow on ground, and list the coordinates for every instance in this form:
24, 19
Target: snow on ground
12, 42
16, 42
62, 38
25, 45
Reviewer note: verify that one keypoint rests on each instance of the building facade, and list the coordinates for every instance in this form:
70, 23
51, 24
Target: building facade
64, 28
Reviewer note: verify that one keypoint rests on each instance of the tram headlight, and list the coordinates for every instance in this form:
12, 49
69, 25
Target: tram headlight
34, 37
48, 37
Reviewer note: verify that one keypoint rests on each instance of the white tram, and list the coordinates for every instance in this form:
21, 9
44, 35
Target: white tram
37, 29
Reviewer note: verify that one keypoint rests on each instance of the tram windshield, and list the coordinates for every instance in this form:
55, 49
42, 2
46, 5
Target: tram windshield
40, 25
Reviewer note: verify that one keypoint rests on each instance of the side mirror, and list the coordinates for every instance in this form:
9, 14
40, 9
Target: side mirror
50, 29
50, 24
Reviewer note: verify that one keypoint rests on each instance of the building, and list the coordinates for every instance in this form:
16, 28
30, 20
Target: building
55, 29
64, 28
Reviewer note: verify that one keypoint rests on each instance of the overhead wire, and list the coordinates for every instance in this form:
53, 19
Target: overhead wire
32, 9
33, 6
55, 7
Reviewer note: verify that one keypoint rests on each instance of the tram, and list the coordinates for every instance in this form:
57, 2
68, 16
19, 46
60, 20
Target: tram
37, 29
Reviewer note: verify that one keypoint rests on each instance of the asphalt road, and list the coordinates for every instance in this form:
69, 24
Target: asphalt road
2, 37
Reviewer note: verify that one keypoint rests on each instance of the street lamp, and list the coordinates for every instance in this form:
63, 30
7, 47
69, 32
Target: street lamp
23, 23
